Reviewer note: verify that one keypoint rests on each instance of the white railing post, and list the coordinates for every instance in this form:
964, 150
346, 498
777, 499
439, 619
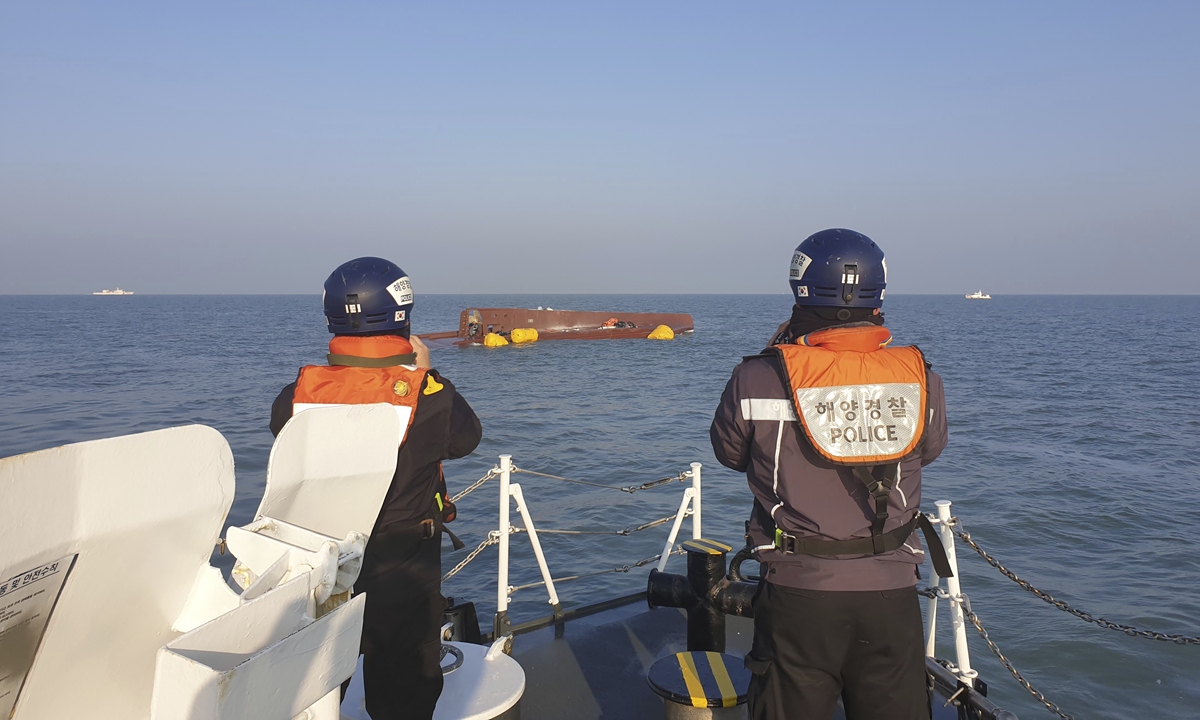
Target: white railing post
537, 546
931, 616
688, 497
954, 588
696, 527
501, 624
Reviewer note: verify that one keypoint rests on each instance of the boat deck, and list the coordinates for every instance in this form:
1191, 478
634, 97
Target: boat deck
597, 669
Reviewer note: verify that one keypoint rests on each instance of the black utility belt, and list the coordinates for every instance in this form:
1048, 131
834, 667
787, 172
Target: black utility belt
403, 540
789, 544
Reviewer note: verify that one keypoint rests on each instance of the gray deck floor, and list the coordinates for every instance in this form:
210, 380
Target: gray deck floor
598, 668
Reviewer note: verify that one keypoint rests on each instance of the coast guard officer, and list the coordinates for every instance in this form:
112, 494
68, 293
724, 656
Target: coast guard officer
832, 427
372, 359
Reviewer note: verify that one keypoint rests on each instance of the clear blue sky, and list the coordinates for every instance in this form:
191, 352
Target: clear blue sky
598, 147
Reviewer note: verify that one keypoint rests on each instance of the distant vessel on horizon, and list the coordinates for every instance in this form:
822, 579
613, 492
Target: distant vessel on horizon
118, 291
978, 295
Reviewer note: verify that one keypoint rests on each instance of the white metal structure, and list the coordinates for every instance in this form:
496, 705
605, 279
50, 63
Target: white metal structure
296, 630
953, 595
132, 522
110, 610
690, 496
327, 476
267, 658
510, 491
690, 505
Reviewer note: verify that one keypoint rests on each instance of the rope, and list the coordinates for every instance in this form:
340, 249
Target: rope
476, 485
621, 569
1085, 616
625, 489
970, 615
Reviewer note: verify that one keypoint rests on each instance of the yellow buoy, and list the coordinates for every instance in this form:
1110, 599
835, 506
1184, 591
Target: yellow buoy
494, 340
662, 332
524, 335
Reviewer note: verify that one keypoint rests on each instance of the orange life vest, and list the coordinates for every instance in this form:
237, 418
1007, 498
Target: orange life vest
342, 384
859, 402
367, 369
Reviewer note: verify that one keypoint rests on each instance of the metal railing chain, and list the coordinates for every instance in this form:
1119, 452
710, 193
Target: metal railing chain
1082, 615
681, 477
476, 485
622, 569
492, 538
623, 532
974, 620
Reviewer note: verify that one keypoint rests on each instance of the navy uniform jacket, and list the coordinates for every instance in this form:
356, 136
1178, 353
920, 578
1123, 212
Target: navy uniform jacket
821, 500
444, 427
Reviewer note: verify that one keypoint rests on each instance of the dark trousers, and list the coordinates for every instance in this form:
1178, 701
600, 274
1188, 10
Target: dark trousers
401, 644
812, 647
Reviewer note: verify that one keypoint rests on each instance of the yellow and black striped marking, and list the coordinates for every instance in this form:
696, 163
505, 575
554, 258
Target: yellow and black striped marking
700, 679
709, 547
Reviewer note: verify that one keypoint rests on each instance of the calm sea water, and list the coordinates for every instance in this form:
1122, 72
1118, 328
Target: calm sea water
1073, 452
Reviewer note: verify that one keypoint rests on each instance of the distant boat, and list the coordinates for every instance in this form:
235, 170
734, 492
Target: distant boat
118, 291
978, 295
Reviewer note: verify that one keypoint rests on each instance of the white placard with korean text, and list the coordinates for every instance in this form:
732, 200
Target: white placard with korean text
27, 600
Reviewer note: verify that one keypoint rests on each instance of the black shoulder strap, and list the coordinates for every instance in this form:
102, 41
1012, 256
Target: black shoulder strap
937, 551
881, 489
879, 481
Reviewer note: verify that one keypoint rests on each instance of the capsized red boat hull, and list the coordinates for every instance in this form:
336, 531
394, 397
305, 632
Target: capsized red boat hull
475, 323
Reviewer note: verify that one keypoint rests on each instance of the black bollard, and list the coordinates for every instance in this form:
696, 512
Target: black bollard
705, 623
705, 593
734, 598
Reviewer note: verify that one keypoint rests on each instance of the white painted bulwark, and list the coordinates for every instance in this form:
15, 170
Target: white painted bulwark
142, 513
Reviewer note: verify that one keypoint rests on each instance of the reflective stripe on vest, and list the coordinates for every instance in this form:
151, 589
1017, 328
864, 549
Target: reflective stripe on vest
859, 403
326, 386
768, 409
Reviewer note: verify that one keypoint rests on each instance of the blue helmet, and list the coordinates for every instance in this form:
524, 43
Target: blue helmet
838, 268
368, 295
